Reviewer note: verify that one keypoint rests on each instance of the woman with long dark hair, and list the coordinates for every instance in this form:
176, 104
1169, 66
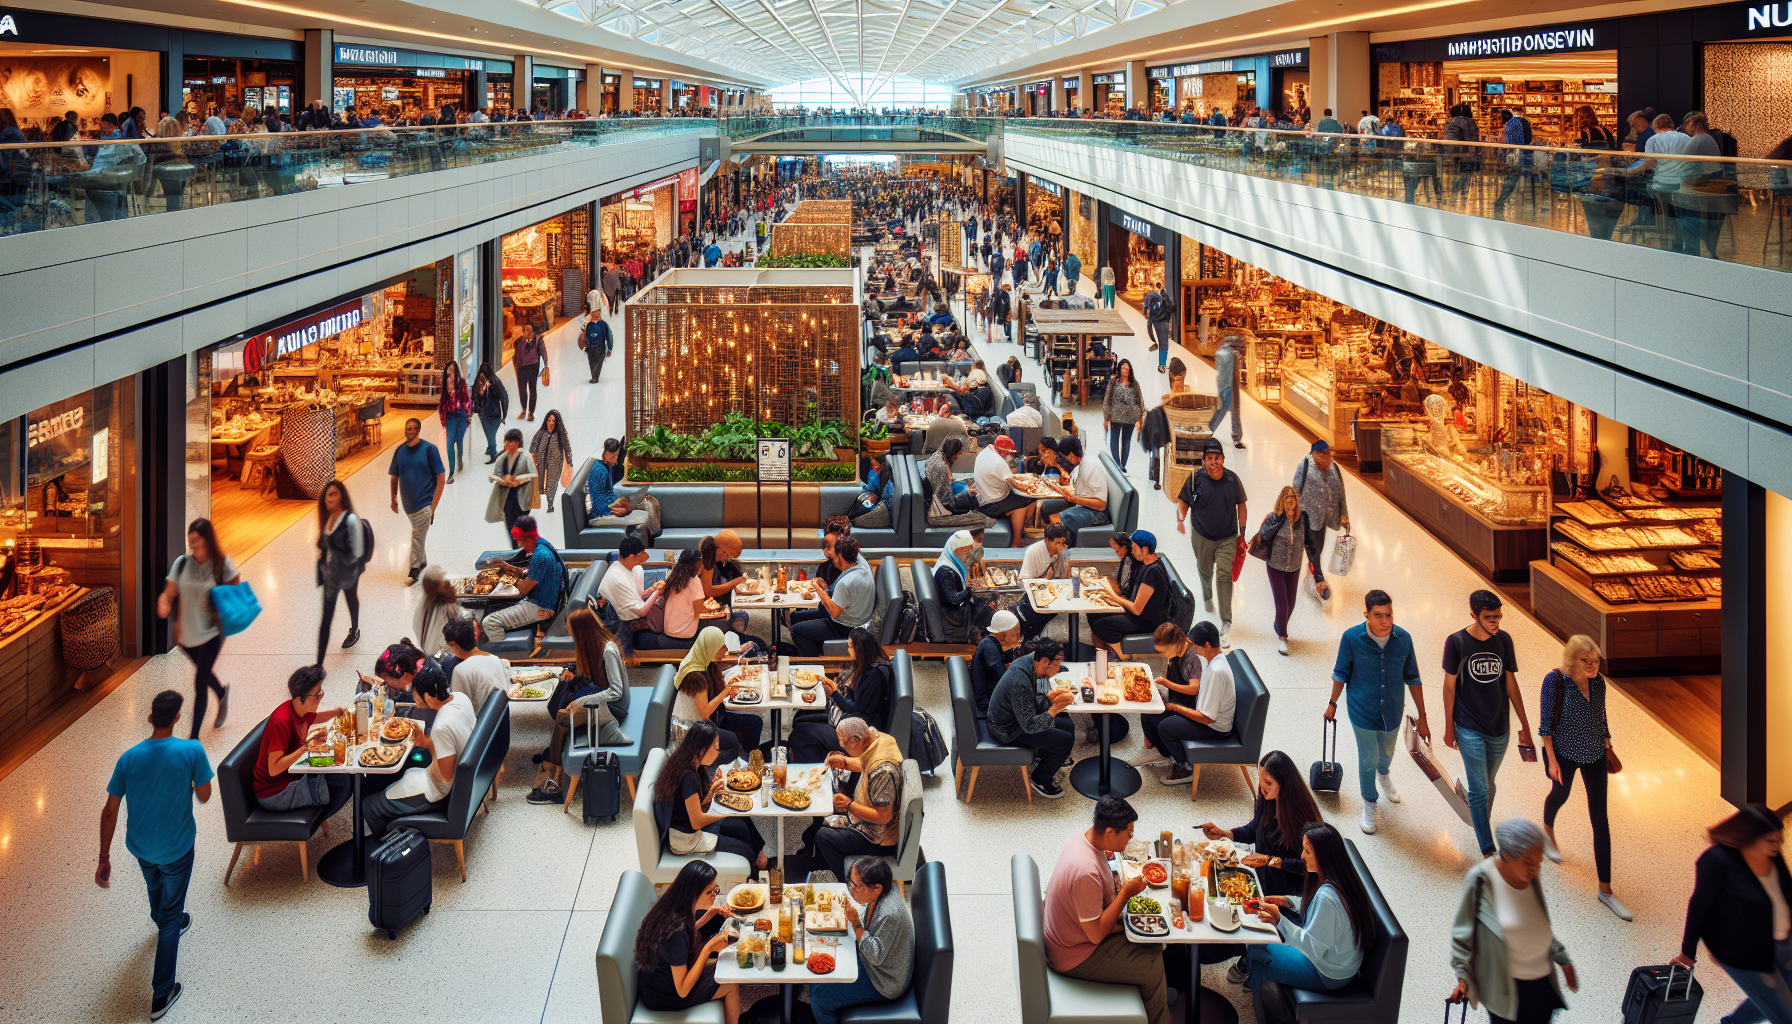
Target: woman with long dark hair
862, 691
340, 559
682, 601
1121, 410
552, 452
492, 403
1738, 906
687, 784
1284, 809
598, 679
455, 407
196, 631
1325, 935
675, 942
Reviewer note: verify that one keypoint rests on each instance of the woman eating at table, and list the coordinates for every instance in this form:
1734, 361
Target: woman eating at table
701, 693
1144, 606
674, 972
966, 615
283, 744
688, 782
863, 691
1284, 809
885, 937
1324, 931
599, 679
1121, 545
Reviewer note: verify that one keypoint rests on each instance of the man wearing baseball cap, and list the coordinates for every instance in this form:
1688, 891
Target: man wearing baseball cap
996, 498
1319, 483
539, 583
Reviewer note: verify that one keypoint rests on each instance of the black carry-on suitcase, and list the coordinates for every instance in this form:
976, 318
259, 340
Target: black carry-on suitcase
601, 781
400, 881
1326, 774
1662, 994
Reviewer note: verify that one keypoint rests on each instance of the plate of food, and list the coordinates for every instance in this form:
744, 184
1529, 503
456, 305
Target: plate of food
746, 897
1149, 925
1042, 592
1237, 883
521, 692
749, 695
735, 801
321, 761
998, 577
820, 963
1156, 875
319, 743
805, 678
809, 696
380, 757
751, 588
743, 780
1091, 576
1135, 682
792, 799
711, 609
533, 674
396, 730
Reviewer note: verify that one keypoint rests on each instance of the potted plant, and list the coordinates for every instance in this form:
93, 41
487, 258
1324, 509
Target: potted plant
875, 439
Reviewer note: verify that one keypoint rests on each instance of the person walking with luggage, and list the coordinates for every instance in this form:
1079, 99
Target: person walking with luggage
196, 630
1576, 738
1739, 908
1502, 947
1375, 660
1480, 680
1160, 315
1225, 368
1215, 499
492, 403
527, 362
419, 478
342, 556
1319, 481
155, 778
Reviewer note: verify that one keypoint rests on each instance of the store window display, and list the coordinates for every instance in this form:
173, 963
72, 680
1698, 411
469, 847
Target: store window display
547, 272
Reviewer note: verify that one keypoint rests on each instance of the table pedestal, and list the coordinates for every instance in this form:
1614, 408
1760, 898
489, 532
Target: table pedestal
1099, 776
345, 866
1202, 1005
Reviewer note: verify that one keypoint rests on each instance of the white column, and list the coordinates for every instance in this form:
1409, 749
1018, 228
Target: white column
1138, 89
1085, 89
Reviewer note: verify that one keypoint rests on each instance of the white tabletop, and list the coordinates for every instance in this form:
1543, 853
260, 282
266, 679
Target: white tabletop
1065, 602
821, 794
840, 947
761, 681
353, 765
1077, 671
775, 601
1198, 932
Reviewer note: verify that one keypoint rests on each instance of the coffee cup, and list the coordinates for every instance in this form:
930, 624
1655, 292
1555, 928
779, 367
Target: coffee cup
1223, 914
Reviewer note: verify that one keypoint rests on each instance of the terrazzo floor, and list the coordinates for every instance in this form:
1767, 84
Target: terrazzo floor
514, 943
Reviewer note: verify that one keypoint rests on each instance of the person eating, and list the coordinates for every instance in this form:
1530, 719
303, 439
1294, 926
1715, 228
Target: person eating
701, 694
284, 742
1324, 931
863, 824
884, 938
995, 493
1283, 809
687, 785
1084, 936
1020, 716
862, 691
1045, 559
846, 604
994, 653
539, 583
1144, 603
675, 972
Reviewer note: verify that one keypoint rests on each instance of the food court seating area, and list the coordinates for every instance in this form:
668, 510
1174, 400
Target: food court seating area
1374, 996
1244, 747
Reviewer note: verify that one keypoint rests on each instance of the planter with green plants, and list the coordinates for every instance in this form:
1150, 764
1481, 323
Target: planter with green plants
821, 450
803, 261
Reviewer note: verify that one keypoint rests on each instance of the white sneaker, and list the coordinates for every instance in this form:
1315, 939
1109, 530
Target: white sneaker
1386, 784
1612, 904
1225, 634
1550, 850
1149, 757
1282, 645
1208, 601
1368, 817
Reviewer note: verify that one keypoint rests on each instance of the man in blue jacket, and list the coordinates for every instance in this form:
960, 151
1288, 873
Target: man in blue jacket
1375, 659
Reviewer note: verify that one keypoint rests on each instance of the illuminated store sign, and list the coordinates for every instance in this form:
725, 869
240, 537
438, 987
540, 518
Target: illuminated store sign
1143, 228
294, 336
1554, 40
1048, 186
383, 57
8, 27
1761, 17
367, 55
1288, 59
49, 429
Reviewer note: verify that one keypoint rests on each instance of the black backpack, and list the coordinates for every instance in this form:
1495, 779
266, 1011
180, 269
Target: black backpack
926, 744
908, 619
366, 543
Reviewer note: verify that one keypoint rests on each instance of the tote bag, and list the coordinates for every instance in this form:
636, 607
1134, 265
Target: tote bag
234, 605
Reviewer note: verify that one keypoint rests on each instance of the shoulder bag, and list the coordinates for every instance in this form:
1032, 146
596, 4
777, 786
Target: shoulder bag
1612, 764
234, 605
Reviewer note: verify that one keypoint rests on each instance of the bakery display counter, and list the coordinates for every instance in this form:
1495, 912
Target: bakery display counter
1662, 638
1461, 509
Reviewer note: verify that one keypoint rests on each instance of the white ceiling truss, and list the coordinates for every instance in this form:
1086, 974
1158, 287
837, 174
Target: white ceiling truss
860, 44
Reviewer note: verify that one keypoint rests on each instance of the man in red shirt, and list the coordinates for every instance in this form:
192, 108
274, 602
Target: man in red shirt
283, 744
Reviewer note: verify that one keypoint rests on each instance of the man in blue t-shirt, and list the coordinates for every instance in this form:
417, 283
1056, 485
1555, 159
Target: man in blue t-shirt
539, 583
418, 477
160, 777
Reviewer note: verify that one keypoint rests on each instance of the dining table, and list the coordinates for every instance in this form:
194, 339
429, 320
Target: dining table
837, 944
779, 604
1070, 601
1209, 1007
1099, 776
345, 865
759, 679
817, 779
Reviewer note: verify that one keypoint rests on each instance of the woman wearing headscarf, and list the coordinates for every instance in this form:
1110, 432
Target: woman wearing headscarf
701, 693
965, 614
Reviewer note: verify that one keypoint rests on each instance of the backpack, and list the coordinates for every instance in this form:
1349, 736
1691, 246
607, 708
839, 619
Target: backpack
1525, 124
926, 744
1156, 304
908, 619
366, 544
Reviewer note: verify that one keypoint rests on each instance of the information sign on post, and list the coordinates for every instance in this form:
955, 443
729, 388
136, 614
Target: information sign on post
774, 460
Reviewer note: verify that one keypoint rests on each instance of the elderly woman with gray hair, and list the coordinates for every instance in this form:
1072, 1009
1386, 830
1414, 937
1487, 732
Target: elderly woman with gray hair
863, 824
1502, 947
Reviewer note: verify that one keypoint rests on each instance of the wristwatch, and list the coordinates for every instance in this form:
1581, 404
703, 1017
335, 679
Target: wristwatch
1331, 703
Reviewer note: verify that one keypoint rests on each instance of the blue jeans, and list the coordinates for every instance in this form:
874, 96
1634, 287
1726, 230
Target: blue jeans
491, 436
1767, 995
1160, 334
1288, 966
1228, 404
1481, 757
1081, 517
167, 908
1374, 753
457, 433
826, 1001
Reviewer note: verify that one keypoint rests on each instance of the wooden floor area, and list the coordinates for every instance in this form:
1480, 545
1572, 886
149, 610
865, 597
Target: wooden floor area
98, 684
247, 520
1690, 707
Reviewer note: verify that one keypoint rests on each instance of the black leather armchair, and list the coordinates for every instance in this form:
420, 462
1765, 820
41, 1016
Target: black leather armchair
1181, 609
972, 745
1374, 997
929, 996
475, 775
247, 823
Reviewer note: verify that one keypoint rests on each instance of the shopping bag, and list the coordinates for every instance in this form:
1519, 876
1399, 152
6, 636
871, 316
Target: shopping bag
1343, 555
236, 606
1452, 790
1238, 556
547, 379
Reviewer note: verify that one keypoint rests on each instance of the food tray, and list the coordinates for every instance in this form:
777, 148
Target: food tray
737, 802
1148, 925
1614, 591
1695, 561
1593, 513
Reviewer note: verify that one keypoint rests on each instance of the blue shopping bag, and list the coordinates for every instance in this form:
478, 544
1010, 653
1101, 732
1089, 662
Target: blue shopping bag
236, 607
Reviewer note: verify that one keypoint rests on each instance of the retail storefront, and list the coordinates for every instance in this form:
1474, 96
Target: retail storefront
609, 101
1109, 93
41, 84
1228, 85
555, 88
377, 78
281, 412
1045, 207
1073, 101
208, 82
546, 273
1136, 250
1290, 85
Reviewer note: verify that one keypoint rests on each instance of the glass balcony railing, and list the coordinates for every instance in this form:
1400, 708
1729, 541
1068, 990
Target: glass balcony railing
46, 185
860, 127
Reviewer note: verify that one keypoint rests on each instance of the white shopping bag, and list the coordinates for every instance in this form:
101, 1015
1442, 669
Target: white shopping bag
1343, 555
1420, 749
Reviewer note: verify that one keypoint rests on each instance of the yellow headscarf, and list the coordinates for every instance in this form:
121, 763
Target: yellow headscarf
708, 646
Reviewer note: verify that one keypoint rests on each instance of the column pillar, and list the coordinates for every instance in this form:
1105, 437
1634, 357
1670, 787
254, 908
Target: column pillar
1057, 92
317, 73
1085, 89
594, 77
1173, 280
522, 85
1347, 73
665, 95
478, 89
625, 90
1138, 90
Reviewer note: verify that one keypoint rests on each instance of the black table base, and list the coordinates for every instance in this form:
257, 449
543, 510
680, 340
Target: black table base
1119, 779
1200, 1004
345, 866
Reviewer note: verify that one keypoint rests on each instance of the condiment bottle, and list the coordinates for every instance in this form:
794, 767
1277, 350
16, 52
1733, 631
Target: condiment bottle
797, 934
783, 578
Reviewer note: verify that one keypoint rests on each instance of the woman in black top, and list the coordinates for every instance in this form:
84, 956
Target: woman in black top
1142, 610
1735, 910
688, 782
720, 557
673, 971
863, 691
965, 615
340, 560
1284, 809
1121, 543
1576, 738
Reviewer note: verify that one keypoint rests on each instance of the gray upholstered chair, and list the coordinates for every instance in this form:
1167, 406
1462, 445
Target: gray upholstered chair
247, 823
657, 862
581, 741
1243, 746
475, 777
1374, 996
972, 745
902, 699
617, 980
908, 836
1047, 997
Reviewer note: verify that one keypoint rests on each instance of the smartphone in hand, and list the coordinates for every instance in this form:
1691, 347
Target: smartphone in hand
1527, 753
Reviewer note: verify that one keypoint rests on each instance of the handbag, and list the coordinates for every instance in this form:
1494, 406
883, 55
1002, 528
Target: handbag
1238, 551
236, 606
547, 378
565, 475
1343, 555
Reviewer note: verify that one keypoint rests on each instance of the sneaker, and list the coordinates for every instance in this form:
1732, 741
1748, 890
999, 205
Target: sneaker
1151, 347
353, 638
1049, 790
1178, 774
1386, 784
1237, 974
186, 923
1149, 757
223, 708
1238, 445
1550, 850
1282, 645
1161, 368
1225, 634
1208, 601
1369, 817
546, 793
160, 1006
1612, 904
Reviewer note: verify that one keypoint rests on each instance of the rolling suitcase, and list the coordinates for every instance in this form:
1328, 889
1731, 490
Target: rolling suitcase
601, 780
1656, 996
1326, 774
399, 880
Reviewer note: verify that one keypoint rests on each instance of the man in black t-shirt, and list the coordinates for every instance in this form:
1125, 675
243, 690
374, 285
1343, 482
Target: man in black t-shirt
1480, 680
1214, 497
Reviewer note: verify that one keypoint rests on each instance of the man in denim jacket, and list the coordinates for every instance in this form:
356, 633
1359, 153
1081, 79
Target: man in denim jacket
1374, 660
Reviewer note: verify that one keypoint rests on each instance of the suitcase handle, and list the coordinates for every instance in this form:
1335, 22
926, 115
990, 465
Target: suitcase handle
1667, 995
1328, 727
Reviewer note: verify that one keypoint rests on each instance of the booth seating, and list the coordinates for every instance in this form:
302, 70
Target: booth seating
247, 823
475, 776
655, 727
933, 623
908, 835
1047, 997
902, 699
1181, 609
618, 982
691, 512
925, 534
929, 996
658, 862
1244, 745
883, 619
521, 642
1123, 499
556, 640
972, 745
581, 740
1373, 997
